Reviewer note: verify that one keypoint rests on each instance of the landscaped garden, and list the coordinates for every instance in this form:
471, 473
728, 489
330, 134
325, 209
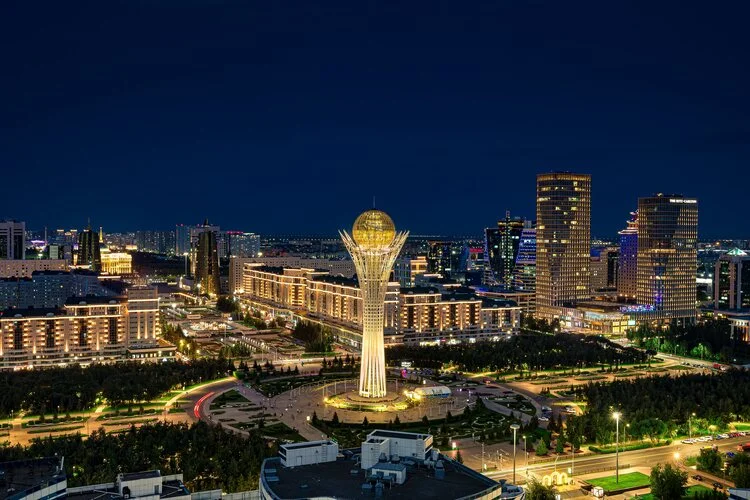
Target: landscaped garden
627, 481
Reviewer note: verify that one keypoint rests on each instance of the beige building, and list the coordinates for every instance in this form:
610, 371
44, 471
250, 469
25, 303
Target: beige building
334, 267
116, 263
411, 315
24, 268
85, 330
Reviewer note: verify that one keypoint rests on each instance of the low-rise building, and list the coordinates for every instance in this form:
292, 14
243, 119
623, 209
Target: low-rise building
116, 263
388, 464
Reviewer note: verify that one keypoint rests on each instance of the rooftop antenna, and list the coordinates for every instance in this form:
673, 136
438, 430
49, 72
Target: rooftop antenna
89, 223
373, 202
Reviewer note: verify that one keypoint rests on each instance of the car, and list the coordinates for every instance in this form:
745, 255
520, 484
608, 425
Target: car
717, 485
543, 419
688, 441
698, 477
724, 436
731, 454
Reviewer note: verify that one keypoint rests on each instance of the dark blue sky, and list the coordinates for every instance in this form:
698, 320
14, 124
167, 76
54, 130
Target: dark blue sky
142, 114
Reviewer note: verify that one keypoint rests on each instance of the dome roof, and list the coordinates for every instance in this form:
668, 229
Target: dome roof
373, 229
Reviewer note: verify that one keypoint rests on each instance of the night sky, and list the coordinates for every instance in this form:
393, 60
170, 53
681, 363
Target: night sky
143, 114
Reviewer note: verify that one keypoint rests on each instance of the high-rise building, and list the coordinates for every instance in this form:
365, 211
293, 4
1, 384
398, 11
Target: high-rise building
12, 240
732, 281
182, 239
563, 241
241, 244
207, 262
443, 257
667, 257
89, 253
373, 245
627, 274
406, 269
195, 232
501, 249
524, 272
604, 266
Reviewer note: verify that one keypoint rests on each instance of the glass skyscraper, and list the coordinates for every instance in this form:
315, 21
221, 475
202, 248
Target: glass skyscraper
667, 257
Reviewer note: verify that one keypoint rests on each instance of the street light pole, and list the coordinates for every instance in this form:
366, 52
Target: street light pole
690, 425
616, 415
526, 455
515, 428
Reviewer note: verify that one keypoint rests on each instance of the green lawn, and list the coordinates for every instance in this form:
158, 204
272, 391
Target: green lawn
231, 396
691, 492
629, 480
742, 426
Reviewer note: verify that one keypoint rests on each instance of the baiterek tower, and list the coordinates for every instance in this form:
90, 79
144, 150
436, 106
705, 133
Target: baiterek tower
374, 245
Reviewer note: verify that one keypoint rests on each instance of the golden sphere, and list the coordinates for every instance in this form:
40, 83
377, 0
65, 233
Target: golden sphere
373, 229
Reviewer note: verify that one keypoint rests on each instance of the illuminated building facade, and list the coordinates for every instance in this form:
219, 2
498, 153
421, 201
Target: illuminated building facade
12, 240
116, 263
667, 257
89, 253
443, 257
427, 316
563, 241
732, 281
374, 246
84, 330
182, 239
627, 273
240, 244
207, 262
25, 268
604, 266
524, 272
406, 269
501, 249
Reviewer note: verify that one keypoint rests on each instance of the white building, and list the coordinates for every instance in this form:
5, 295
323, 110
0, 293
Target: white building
394, 443
307, 453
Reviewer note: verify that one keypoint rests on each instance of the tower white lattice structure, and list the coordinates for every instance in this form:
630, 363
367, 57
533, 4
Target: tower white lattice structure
374, 246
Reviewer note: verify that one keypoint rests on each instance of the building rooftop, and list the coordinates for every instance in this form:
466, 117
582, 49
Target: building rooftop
32, 312
23, 477
344, 479
93, 300
337, 280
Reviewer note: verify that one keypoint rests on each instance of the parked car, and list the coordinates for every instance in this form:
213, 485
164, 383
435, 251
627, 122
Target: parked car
717, 485
698, 477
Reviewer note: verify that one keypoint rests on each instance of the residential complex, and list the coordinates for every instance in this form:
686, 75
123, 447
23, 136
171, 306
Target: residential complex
12, 240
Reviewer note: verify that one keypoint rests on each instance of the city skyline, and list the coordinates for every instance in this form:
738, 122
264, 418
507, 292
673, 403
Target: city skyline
281, 112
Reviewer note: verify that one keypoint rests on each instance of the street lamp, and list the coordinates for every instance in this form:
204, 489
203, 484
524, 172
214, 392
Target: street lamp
676, 456
526, 454
690, 425
515, 428
616, 416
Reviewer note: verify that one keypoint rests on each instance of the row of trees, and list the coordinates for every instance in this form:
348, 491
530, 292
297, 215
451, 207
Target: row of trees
208, 456
76, 388
658, 407
737, 467
711, 340
315, 337
521, 352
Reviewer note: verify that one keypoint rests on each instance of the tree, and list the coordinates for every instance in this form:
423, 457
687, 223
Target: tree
365, 422
538, 491
741, 476
653, 428
459, 458
335, 419
425, 420
710, 460
560, 445
667, 482
397, 421
541, 448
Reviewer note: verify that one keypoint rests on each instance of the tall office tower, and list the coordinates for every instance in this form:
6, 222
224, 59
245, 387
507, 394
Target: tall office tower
604, 266
443, 257
88, 250
627, 274
241, 244
207, 262
524, 272
195, 232
563, 241
373, 245
12, 240
667, 257
501, 250
732, 281
182, 239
